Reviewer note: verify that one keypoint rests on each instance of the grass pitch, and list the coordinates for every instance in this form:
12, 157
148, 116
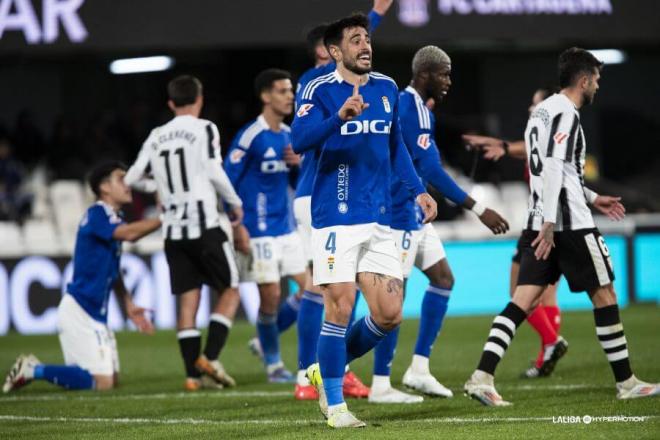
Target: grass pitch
150, 402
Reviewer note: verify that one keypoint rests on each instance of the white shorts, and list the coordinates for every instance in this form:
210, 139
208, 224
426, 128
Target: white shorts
302, 210
273, 258
343, 251
421, 248
86, 342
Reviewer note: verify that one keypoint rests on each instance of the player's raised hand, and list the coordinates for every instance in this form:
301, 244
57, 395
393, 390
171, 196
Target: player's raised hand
494, 221
382, 6
353, 106
137, 315
545, 241
429, 207
611, 207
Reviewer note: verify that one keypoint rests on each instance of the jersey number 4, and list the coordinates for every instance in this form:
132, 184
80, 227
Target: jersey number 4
165, 154
331, 242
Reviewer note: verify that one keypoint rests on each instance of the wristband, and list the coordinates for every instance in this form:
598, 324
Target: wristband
478, 209
505, 146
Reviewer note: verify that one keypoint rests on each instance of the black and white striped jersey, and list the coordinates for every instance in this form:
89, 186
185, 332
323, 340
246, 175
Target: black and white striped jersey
554, 131
183, 157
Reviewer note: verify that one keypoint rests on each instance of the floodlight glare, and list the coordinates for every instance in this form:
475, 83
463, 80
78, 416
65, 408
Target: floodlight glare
610, 56
141, 65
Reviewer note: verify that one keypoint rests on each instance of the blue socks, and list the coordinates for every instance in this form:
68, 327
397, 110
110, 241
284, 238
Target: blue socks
332, 360
288, 313
71, 377
434, 308
310, 316
384, 353
362, 337
269, 337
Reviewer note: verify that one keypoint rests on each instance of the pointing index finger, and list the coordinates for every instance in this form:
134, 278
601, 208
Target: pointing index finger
356, 89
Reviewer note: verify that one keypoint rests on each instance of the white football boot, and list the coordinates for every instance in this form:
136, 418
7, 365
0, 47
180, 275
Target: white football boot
480, 387
340, 417
634, 388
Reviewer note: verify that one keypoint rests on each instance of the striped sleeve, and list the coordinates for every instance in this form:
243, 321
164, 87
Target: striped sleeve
562, 136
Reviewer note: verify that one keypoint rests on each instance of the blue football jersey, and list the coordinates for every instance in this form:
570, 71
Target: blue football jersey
308, 165
96, 260
355, 158
418, 129
256, 168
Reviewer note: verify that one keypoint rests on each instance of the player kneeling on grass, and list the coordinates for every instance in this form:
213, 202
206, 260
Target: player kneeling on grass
89, 346
561, 237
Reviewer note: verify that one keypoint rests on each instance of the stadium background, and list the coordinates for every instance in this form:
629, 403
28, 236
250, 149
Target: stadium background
61, 110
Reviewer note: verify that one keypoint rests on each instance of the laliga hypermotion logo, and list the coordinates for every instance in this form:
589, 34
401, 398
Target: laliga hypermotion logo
424, 141
304, 110
560, 137
331, 262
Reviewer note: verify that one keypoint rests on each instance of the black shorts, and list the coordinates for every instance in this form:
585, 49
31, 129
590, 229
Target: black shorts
581, 256
518, 252
208, 260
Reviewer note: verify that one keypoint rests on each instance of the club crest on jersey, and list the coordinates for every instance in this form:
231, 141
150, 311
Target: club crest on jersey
304, 110
331, 262
236, 156
424, 141
386, 105
560, 137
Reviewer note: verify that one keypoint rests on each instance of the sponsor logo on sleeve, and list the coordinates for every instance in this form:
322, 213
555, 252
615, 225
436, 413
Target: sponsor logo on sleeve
424, 141
560, 137
236, 156
304, 110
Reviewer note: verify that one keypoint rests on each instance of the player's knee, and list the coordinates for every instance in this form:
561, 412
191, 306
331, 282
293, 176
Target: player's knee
603, 296
444, 281
388, 321
441, 276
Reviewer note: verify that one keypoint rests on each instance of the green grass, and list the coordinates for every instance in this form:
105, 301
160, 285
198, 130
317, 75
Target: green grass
150, 402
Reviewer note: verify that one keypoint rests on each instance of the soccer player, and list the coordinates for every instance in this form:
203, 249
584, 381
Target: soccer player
561, 237
258, 167
419, 244
184, 158
310, 313
350, 119
88, 344
545, 319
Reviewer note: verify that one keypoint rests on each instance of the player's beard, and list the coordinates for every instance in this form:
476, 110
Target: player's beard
588, 98
353, 67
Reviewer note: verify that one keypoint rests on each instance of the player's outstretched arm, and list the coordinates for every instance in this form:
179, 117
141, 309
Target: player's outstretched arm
134, 313
609, 206
135, 230
494, 149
